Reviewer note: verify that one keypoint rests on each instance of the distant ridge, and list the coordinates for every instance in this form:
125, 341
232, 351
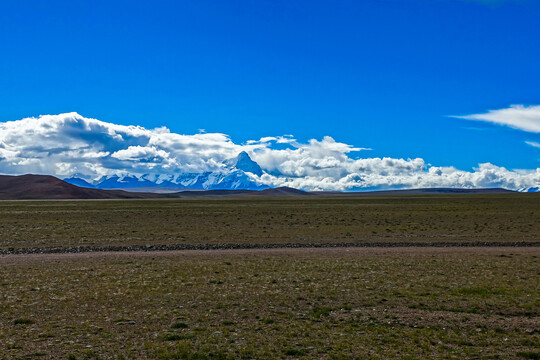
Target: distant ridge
282, 191
205, 193
432, 191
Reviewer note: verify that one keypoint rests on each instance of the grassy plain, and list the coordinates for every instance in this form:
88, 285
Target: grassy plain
438, 303
342, 303
308, 219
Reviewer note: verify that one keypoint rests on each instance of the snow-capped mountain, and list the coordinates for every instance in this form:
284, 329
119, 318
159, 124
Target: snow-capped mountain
240, 172
77, 181
117, 182
244, 163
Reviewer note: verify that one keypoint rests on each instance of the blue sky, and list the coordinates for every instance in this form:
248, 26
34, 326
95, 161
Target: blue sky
379, 74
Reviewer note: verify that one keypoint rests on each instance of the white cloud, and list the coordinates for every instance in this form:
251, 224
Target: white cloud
68, 144
526, 118
533, 144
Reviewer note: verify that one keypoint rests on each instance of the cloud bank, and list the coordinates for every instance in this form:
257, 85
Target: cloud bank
71, 145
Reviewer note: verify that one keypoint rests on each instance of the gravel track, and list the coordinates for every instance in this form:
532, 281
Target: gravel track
177, 247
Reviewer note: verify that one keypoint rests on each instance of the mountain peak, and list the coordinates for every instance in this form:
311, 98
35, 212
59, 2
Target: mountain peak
244, 162
243, 155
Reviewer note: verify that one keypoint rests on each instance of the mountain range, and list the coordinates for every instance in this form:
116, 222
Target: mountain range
237, 176
46, 187
30, 187
239, 173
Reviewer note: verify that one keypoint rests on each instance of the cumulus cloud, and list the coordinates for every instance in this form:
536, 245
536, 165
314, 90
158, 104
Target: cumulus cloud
70, 144
526, 118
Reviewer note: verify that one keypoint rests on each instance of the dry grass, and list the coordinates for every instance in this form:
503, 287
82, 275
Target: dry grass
320, 304
496, 217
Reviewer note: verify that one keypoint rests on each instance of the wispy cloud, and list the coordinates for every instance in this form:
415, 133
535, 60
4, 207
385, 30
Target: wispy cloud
525, 118
533, 144
69, 144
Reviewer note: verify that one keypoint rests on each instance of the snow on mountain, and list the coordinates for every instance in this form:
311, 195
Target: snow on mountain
77, 181
243, 162
531, 189
235, 180
118, 182
238, 173
161, 180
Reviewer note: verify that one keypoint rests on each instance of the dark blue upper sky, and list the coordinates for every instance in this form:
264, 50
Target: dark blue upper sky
382, 74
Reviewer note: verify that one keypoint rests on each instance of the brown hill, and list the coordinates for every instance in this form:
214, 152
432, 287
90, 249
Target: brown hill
30, 187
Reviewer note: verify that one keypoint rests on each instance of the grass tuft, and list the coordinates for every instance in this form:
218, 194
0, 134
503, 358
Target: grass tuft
23, 321
180, 325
